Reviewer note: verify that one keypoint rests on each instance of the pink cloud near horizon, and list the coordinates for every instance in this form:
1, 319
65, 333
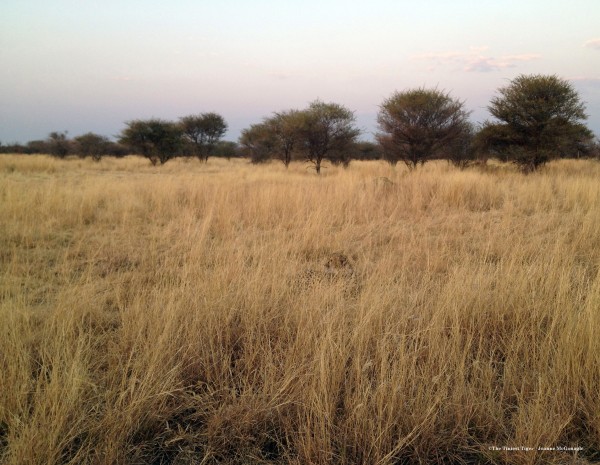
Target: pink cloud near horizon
593, 44
475, 61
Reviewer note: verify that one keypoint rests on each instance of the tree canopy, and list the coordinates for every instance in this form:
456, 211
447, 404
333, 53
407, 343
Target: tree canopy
92, 145
58, 144
155, 139
258, 142
203, 132
419, 124
319, 131
285, 127
539, 117
326, 129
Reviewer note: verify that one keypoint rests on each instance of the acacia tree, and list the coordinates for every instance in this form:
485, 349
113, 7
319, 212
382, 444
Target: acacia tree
366, 150
285, 127
37, 146
595, 149
226, 149
92, 145
258, 142
276, 137
326, 129
462, 151
155, 139
539, 118
419, 124
58, 144
203, 132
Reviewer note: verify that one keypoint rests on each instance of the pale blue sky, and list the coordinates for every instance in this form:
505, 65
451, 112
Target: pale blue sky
86, 65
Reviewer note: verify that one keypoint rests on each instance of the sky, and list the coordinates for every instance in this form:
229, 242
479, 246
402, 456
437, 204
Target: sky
87, 65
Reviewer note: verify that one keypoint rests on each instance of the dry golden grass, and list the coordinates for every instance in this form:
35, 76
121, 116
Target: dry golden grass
229, 313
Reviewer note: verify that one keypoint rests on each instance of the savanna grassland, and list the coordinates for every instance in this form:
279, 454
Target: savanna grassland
231, 313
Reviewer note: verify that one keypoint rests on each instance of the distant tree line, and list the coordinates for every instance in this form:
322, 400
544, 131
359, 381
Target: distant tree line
536, 118
59, 145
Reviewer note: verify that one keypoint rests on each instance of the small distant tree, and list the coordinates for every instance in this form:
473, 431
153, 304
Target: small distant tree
342, 158
580, 148
326, 129
492, 140
539, 117
277, 137
366, 150
285, 127
58, 144
258, 142
155, 139
92, 145
115, 149
462, 151
203, 132
12, 148
595, 149
37, 146
226, 149
15, 148
417, 125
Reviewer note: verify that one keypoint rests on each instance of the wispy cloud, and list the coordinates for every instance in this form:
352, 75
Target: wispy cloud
593, 44
475, 60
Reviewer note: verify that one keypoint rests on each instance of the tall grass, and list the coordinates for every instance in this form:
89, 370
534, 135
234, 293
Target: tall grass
189, 314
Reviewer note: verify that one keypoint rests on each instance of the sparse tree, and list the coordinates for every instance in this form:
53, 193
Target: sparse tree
326, 129
595, 149
276, 137
462, 151
417, 125
155, 139
366, 150
285, 126
16, 148
116, 149
226, 149
491, 140
58, 144
92, 145
539, 118
38, 146
203, 132
258, 142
